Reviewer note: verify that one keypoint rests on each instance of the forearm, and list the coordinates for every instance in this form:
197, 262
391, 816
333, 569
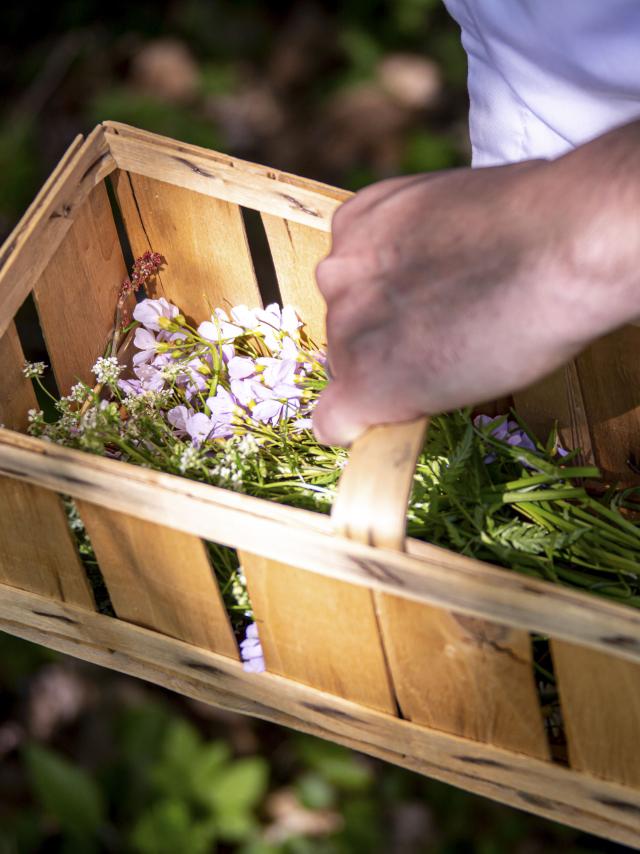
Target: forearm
597, 188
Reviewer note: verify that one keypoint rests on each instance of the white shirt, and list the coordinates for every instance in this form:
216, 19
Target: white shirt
547, 75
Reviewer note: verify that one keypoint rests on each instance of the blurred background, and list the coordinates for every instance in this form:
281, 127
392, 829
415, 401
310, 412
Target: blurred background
347, 93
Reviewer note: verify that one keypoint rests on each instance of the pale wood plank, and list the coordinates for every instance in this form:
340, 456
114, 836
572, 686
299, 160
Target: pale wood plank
202, 238
557, 399
595, 400
425, 573
46, 563
77, 293
30, 246
299, 615
451, 672
144, 565
318, 631
598, 806
297, 250
16, 391
217, 175
179, 595
600, 699
609, 374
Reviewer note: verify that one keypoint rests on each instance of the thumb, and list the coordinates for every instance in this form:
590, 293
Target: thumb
336, 420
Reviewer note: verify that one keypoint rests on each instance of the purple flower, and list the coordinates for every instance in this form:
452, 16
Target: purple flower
146, 343
274, 323
149, 311
251, 651
301, 424
222, 407
272, 410
280, 373
219, 328
199, 426
508, 432
151, 378
130, 387
240, 367
245, 317
246, 391
177, 417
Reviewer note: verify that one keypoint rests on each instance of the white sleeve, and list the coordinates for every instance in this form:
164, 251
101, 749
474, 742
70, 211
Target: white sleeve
547, 75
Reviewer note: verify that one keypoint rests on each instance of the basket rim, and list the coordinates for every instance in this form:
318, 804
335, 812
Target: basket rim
425, 573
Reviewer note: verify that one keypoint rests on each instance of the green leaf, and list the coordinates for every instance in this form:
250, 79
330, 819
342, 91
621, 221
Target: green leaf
236, 826
239, 787
169, 828
206, 769
336, 764
179, 753
315, 792
65, 791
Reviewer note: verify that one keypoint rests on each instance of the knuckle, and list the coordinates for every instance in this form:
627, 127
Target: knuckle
329, 276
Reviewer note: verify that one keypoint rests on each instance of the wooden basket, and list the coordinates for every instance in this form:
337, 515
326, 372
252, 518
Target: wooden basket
396, 648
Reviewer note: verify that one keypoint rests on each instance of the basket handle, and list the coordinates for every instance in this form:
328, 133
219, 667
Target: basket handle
375, 487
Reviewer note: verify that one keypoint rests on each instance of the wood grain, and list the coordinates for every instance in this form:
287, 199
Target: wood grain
297, 250
28, 249
318, 631
425, 573
159, 578
451, 672
37, 551
600, 699
609, 372
77, 293
578, 799
202, 238
222, 177
558, 400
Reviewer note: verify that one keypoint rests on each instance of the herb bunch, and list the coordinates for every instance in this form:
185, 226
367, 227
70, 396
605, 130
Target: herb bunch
229, 402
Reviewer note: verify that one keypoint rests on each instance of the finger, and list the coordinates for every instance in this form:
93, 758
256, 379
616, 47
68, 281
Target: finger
336, 421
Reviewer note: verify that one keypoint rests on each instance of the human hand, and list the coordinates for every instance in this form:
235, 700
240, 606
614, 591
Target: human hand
453, 288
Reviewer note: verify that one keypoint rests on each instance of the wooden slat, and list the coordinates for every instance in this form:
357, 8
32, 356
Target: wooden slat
28, 249
318, 631
202, 238
299, 616
609, 374
425, 573
297, 250
213, 174
16, 391
37, 551
76, 299
462, 675
77, 293
179, 596
558, 793
557, 399
596, 401
600, 699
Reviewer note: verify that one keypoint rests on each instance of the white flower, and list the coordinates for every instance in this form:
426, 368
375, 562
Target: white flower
107, 370
189, 458
78, 392
33, 369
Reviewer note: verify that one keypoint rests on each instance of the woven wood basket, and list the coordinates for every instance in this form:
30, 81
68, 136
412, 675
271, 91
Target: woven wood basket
393, 647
